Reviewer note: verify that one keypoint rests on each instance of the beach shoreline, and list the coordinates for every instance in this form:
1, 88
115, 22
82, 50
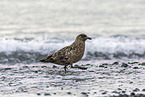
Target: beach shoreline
102, 78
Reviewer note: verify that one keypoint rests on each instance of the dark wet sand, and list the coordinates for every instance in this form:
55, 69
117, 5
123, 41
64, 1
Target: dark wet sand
102, 78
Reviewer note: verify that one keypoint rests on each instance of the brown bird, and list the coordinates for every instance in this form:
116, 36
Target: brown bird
69, 54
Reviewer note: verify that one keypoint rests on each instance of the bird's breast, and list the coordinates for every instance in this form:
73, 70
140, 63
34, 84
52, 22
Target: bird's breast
78, 52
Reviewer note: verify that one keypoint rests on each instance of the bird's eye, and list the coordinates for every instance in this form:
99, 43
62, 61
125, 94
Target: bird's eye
83, 35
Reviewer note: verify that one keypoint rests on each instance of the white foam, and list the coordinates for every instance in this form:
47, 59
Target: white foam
105, 45
113, 45
31, 46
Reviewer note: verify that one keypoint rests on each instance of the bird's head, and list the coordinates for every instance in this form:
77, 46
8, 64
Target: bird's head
82, 37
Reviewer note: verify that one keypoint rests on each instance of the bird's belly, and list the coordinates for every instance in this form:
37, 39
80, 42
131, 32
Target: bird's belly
77, 57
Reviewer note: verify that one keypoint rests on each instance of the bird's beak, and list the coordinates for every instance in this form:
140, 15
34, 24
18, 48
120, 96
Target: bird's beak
89, 38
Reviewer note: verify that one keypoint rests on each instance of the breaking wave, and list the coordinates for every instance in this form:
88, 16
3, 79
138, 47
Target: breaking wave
104, 48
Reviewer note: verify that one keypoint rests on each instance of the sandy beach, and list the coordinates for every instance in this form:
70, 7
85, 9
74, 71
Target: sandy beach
102, 78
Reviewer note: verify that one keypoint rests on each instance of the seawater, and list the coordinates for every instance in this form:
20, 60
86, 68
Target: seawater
109, 48
33, 29
34, 18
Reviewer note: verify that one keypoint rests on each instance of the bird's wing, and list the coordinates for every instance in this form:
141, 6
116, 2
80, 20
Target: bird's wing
60, 57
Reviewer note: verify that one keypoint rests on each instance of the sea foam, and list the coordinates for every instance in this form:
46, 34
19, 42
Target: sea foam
24, 50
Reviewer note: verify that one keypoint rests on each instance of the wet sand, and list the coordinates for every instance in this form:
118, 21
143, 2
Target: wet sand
102, 78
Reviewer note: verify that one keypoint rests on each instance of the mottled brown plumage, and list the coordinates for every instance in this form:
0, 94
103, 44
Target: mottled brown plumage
69, 54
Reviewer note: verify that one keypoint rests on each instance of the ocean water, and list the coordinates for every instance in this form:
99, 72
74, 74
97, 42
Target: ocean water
100, 48
33, 29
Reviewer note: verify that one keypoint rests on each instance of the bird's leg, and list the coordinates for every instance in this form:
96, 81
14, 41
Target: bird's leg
71, 65
65, 68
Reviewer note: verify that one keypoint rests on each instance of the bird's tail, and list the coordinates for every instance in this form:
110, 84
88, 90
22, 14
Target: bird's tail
43, 60
47, 59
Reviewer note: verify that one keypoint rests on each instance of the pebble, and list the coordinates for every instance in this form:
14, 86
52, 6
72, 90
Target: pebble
132, 94
143, 63
38, 94
47, 94
101, 66
88, 64
135, 68
123, 91
43, 66
95, 93
116, 92
69, 93
119, 89
8, 68
54, 66
85, 94
105, 64
124, 65
133, 62
136, 89
143, 89
105, 92
115, 63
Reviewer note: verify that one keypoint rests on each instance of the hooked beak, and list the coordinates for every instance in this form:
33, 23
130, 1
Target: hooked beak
89, 38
